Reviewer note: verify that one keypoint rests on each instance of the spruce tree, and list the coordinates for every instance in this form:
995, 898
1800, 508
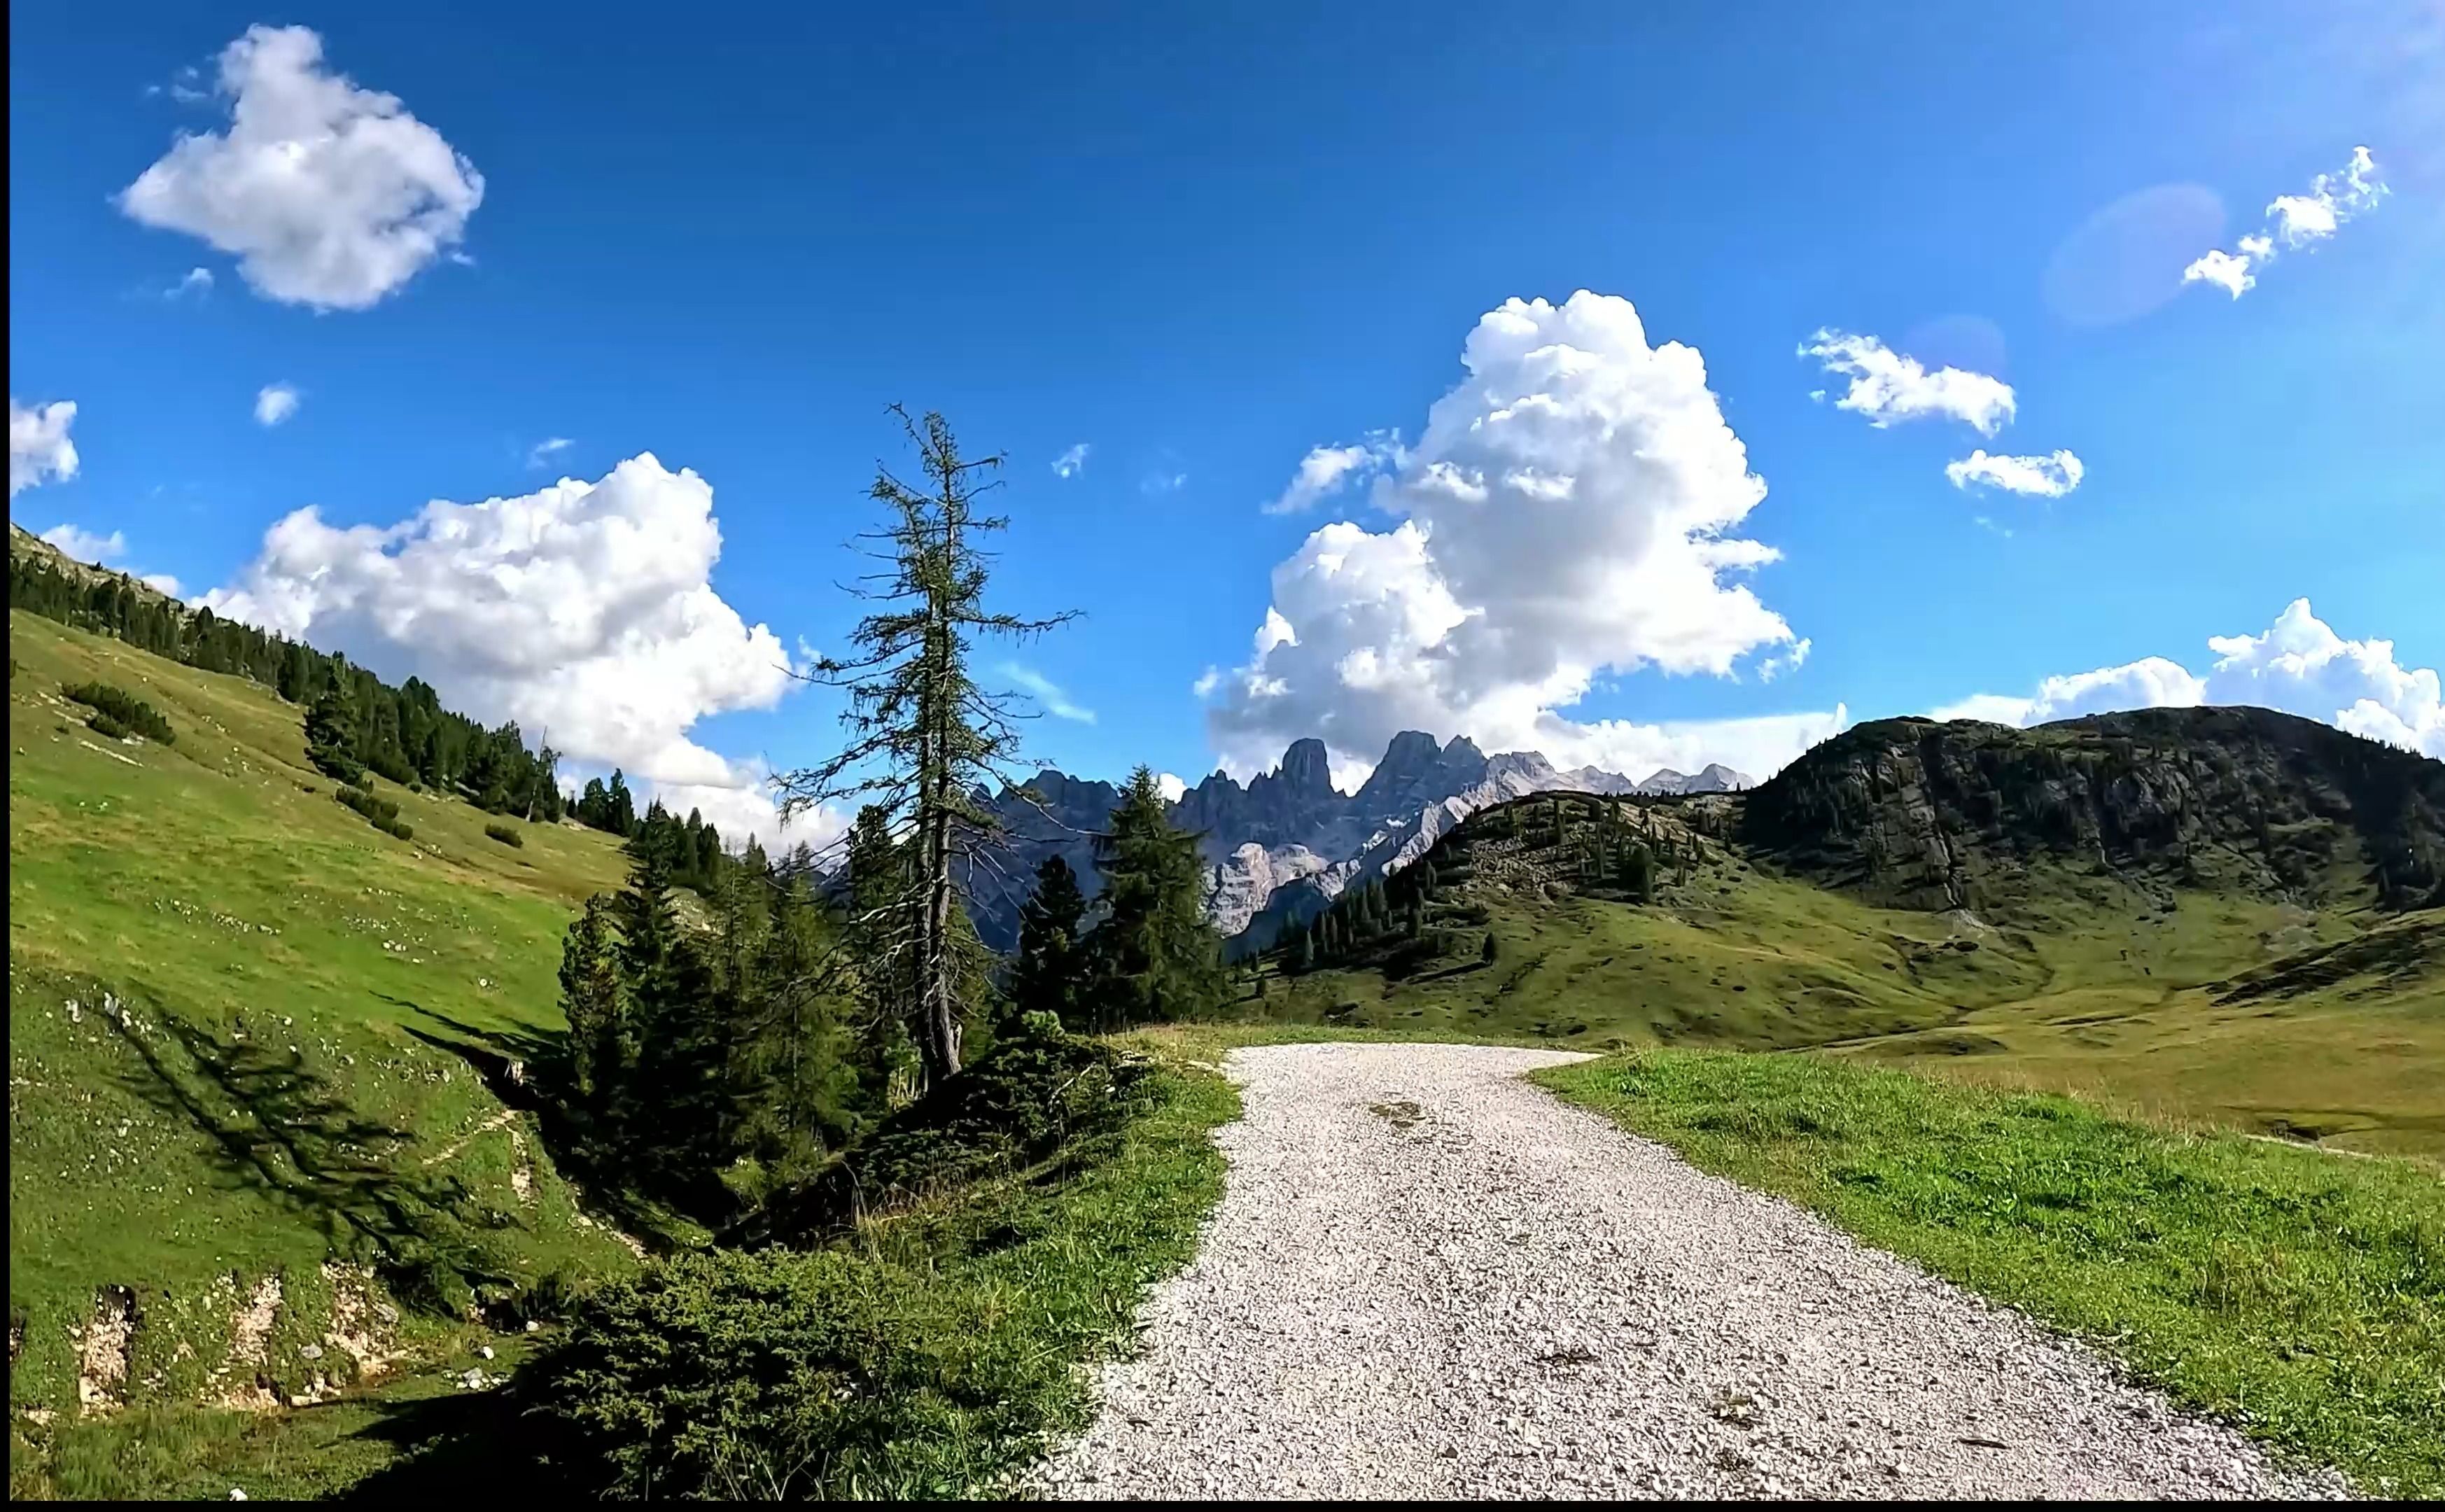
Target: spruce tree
1048, 976
594, 1000
1155, 954
331, 736
1639, 873
1488, 951
924, 739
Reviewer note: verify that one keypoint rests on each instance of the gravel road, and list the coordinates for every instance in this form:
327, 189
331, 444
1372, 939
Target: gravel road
1430, 1278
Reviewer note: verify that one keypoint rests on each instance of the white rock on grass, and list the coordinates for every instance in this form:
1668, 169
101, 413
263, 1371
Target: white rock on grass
1503, 1296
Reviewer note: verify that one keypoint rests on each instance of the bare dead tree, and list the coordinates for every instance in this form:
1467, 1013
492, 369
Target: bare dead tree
925, 741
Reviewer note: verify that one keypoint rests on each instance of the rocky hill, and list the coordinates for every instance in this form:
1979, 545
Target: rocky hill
1924, 815
1287, 842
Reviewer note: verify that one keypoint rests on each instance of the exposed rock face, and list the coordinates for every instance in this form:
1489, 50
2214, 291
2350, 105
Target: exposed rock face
1287, 842
1926, 815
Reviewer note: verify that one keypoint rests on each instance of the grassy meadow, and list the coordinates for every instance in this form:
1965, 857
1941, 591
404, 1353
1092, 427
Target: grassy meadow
2091, 989
231, 1003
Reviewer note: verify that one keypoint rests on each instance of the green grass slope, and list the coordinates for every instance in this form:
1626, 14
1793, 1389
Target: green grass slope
231, 1002
2325, 1024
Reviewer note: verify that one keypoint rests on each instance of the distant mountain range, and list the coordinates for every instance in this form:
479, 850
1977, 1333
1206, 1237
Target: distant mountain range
1288, 843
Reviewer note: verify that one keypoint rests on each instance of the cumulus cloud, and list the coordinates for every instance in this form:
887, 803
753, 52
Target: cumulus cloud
86, 545
1071, 462
329, 196
39, 447
1045, 691
274, 403
1169, 786
198, 282
2045, 476
2300, 665
584, 609
1566, 511
1887, 386
546, 450
1326, 470
161, 583
2295, 221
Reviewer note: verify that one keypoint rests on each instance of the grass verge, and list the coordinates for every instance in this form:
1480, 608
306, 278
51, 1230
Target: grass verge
2297, 1293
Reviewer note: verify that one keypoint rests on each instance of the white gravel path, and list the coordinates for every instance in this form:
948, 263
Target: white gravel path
1511, 1297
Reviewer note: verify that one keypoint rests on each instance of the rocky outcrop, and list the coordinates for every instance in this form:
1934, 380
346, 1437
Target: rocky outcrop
1926, 815
1287, 840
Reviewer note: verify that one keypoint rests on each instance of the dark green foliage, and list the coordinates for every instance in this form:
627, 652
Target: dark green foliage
1049, 974
125, 710
378, 812
106, 727
1490, 951
1040, 1093
506, 834
609, 807
699, 1070
397, 829
925, 1360
331, 736
1155, 957
1634, 872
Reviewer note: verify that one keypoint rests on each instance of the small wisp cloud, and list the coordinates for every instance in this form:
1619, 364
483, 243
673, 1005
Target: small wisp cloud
2294, 222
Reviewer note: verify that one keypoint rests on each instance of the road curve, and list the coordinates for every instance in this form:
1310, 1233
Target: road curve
1430, 1278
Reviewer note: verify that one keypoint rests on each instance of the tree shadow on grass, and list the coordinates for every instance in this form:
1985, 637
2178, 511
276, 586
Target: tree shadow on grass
274, 1127
454, 1443
527, 1071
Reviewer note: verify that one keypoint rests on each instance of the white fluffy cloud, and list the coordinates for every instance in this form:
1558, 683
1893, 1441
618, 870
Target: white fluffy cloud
546, 450
584, 609
1887, 386
1566, 511
2296, 221
328, 195
1169, 786
2046, 476
274, 403
2299, 665
86, 545
1071, 462
39, 447
1326, 470
198, 282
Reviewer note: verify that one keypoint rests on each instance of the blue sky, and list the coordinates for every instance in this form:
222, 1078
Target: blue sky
1204, 245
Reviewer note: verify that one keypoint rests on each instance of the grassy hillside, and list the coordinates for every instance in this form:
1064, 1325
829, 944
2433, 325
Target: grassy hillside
2325, 1023
243, 1156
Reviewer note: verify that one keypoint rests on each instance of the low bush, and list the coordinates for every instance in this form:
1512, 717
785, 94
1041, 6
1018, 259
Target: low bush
380, 812
106, 727
925, 1355
127, 713
506, 834
1040, 1094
